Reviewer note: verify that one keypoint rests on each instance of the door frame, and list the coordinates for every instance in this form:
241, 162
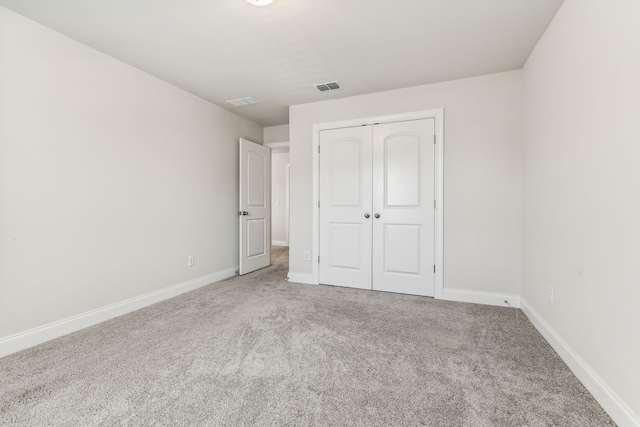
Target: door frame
282, 147
438, 115
287, 196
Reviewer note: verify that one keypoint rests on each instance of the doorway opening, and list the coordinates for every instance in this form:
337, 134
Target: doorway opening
280, 176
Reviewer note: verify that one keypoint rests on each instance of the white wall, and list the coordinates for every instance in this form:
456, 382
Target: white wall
279, 162
581, 186
109, 179
276, 134
482, 174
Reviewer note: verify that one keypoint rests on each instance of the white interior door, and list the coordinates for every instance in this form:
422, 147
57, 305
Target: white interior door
376, 210
403, 207
345, 207
255, 206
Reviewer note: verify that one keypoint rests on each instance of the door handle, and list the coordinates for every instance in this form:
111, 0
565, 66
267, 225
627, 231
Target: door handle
243, 213
367, 215
377, 215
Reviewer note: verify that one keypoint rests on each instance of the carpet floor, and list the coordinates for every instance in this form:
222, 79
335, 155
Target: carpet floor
259, 351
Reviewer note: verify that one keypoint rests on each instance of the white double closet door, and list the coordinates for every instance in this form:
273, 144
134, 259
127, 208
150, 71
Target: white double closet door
377, 207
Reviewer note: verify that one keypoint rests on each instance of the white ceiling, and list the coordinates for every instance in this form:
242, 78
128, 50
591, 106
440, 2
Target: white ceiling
228, 49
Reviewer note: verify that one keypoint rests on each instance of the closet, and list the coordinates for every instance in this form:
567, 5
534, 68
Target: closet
377, 207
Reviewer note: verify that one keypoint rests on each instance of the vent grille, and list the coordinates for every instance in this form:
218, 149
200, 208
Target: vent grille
324, 87
242, 102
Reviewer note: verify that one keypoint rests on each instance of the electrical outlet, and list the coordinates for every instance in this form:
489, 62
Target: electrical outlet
191, 260
551, 294
307, 256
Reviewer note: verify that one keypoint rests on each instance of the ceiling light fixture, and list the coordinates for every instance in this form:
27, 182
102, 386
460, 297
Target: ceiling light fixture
259, 2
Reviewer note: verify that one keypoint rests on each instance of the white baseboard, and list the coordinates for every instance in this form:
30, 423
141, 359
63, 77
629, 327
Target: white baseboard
306, 279
279, 243
476, 297
35, 336
606, 397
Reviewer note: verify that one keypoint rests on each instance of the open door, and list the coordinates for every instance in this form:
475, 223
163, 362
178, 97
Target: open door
255, 206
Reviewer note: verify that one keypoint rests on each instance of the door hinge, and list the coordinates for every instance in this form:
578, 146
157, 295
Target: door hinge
318, 149
318, 259
434, 204
434, 139
318, 204
434, 268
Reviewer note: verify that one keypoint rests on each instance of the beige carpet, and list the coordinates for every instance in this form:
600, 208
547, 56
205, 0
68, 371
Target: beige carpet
256, 350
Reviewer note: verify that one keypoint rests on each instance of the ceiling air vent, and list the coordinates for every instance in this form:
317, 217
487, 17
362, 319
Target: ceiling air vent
242, 102
324, 87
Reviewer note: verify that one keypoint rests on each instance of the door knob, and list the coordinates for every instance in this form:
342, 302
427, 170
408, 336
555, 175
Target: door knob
245, 213
377, 215
367, 215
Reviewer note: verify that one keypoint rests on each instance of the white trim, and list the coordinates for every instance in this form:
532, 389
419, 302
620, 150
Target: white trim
41, 334
279, 243
287, 200
438, 115
276, 145
477, 297
438, 242
617, 409
306, 279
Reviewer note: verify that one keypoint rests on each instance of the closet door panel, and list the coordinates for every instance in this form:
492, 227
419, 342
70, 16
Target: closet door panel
403, 198
345, 198
401, 249
401, 171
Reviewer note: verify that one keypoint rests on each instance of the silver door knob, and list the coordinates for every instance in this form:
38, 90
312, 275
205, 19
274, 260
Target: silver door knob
377, 215
367, 215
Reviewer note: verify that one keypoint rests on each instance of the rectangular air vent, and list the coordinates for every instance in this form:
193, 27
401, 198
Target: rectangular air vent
323, 87
243, 102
